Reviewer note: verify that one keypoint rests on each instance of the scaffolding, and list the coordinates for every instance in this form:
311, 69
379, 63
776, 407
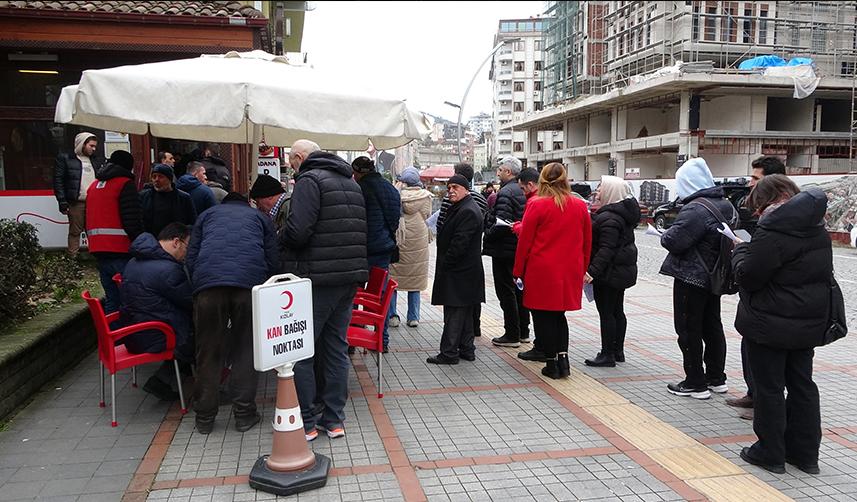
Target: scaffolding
593, 47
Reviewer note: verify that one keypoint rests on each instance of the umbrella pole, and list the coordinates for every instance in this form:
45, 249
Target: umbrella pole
254, 153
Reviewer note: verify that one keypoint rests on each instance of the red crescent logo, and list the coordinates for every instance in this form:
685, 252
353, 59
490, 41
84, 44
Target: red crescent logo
291, 300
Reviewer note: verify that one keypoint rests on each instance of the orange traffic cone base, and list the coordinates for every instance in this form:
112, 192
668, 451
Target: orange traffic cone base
288, 483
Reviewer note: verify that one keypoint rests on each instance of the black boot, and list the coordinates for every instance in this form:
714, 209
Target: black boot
562, 364
603, 359
620, 356
551, 369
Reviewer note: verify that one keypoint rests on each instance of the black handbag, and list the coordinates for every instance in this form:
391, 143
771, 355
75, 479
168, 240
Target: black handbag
837, 326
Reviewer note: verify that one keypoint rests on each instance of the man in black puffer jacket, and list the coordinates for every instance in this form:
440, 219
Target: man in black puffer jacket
325, 240
694, 246
613, 266
500, 243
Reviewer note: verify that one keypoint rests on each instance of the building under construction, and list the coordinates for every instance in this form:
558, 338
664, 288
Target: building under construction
639, 86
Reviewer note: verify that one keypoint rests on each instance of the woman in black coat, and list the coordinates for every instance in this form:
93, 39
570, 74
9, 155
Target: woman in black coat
784, 274
613, 266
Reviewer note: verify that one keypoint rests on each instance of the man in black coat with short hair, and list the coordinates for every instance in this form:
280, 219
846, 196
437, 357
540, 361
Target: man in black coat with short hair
163, 203
500, 244
459, 281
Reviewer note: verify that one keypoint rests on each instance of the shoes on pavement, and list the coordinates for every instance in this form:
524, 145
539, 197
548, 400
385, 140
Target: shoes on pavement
684, 390
394, 321
562, 363
506, 341
809, 468
750, 459
441, 359
158, 388
386, 349
747, 414
468, 357
740, 402
554, 369
204, 425
333, 432
245, 423
526, 338
533, 355
352, 349
603, 359
620, 356
311, 434
413, 323
718, 387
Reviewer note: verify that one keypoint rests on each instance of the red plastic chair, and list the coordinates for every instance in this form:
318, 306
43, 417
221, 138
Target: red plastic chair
366, 328
115, 357
371, 294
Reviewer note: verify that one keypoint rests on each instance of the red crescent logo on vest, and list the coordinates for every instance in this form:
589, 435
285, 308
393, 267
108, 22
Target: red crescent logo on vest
291, 300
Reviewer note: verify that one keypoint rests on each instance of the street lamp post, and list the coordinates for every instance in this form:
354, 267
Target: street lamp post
467, 91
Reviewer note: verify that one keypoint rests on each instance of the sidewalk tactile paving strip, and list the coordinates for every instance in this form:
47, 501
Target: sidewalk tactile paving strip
603, 477
694, 462
736, 489
474, 424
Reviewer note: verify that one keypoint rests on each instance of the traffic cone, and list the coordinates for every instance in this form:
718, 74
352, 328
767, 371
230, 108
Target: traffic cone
292, 467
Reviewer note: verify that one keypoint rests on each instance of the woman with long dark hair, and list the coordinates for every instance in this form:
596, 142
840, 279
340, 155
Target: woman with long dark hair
784, 275
552, 255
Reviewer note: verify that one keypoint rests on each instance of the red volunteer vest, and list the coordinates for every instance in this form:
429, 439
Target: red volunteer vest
103, 225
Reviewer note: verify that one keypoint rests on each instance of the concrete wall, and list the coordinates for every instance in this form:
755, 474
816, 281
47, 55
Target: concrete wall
599, 129
597, 166
576, 133
659, 120
576, 166
653, 166
722, 164
725, 113
789, 114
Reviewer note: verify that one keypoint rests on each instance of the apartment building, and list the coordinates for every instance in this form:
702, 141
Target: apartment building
517, 77
640, 86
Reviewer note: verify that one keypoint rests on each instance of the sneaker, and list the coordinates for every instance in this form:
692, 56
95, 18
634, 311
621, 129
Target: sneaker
750, 459
310, 435
718, 388
413, 323
744, 401
394, 321
333, 432
533, 355
681, 389
506, 341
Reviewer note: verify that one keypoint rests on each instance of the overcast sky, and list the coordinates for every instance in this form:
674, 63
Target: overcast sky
423, 51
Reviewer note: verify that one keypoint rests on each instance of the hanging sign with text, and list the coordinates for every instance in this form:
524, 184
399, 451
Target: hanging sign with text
269, 166
282, 322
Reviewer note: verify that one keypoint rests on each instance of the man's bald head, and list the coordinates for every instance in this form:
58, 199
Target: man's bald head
301, 149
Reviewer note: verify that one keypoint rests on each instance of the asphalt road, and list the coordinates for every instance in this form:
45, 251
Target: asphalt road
651, 256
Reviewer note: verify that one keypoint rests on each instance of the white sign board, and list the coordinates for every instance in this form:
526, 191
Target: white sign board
269, 166
282, 322
115, 137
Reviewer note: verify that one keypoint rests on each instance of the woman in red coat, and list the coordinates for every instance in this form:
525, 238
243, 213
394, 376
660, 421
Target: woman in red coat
552, 257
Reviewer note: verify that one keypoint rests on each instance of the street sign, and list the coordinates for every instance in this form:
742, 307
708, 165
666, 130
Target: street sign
282, 322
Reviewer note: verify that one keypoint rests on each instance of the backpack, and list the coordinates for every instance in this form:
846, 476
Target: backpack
721, 277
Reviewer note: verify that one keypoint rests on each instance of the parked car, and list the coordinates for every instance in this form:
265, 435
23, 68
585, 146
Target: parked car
664, 215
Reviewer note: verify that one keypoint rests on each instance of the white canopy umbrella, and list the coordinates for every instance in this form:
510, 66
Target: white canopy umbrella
239, 98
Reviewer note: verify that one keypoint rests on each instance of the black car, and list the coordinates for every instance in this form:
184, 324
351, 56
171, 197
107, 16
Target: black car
737, 193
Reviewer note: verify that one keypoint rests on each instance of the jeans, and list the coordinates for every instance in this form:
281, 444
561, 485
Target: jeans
787, 426
413, 305
331, 313
516, 317
213, 309
609, 302
457, 337
107, 268
551, 329
697, 321
382, 261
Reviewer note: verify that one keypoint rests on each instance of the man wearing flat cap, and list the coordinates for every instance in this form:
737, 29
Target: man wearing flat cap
164, 203
459, 281
271, 199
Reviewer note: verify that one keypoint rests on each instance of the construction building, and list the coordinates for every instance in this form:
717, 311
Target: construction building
517, 75
637, 87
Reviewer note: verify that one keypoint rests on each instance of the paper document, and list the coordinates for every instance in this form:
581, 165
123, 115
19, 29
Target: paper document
502, 223
736, 236
589, 292
650, 230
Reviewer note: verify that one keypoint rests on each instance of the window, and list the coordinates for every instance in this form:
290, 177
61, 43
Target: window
763, 24
519, 66
507, 27
537, 106
537, 85
537, 45
728, 23
520, 45
710, 21
819, 40
694, 26
519, 106
518, 146
537, 65
540, 146
557, 145
519, 86
749, 28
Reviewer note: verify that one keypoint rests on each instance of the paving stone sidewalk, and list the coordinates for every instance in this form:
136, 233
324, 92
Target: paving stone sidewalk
493, 429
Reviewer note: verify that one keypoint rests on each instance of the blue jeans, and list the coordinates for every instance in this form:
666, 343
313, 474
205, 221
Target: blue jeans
382, 261
413, 305
107, 268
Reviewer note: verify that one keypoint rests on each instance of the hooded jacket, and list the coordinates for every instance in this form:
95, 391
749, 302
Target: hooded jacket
68, 172
411, 272
614, 254
784, 275
201, 195
499, 241
156, 288
324, 238
383, 208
